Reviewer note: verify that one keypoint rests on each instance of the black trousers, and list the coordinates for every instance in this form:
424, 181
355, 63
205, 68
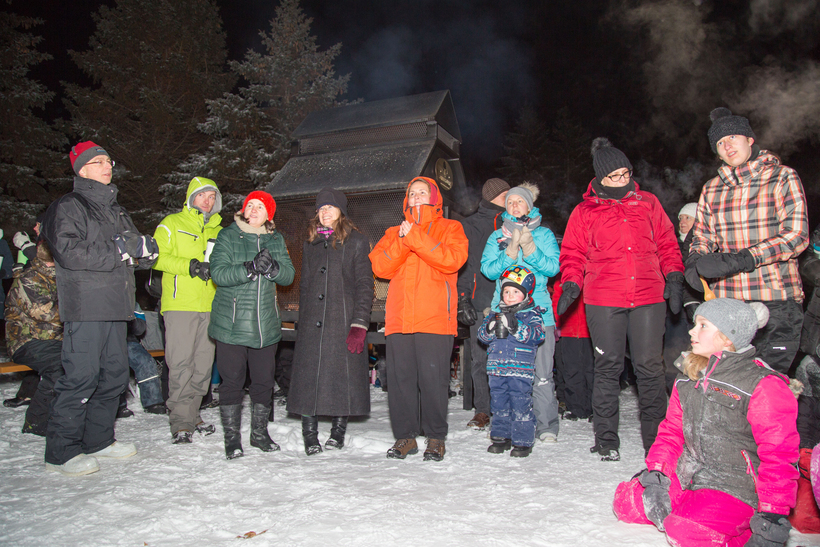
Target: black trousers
45, 358
778, 341
95, 361
418, 373
610, 327
234, 362
576, 364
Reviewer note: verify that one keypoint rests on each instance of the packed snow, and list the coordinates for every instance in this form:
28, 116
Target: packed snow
171, 495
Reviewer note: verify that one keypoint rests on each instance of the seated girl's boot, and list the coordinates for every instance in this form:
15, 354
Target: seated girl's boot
231, 425
259, 428
337, 433
310, 433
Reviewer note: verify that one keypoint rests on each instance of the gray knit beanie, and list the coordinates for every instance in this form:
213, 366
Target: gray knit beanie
523, 193
606, 158
737, 320
725, 124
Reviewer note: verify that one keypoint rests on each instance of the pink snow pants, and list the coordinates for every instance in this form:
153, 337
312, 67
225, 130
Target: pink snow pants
698, 518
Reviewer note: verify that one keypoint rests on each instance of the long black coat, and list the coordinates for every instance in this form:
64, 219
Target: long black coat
335, 292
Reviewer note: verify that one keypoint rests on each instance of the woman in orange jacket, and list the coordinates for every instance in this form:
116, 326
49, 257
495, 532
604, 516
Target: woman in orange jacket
421, 258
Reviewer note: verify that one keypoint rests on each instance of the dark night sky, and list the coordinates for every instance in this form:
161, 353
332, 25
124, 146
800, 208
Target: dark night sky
644, 73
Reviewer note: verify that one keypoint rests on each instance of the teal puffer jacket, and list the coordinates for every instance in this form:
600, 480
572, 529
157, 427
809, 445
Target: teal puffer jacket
246, 312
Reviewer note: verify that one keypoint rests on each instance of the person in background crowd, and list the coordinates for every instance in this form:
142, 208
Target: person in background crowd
6, 263
187, 294
421, 258
522, 240
144, 366
574, 358
27, 249
96, 247
248, 261
751, 226
513, 335
722, 469
34, 333
475, 291
335, 297
620, 248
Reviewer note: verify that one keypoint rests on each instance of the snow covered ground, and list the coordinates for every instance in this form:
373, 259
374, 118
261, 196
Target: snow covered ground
170, 495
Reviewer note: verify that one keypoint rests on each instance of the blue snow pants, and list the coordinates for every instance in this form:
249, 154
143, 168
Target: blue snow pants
511, 404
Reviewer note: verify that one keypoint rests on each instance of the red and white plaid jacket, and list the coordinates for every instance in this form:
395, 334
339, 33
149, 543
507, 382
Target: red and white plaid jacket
759, 206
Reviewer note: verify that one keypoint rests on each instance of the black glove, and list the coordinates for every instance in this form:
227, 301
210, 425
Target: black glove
673, 292
199, 269
690, 272
138, 246
571, 292
467, 314
262, 264
501, 330
656, 501
769, 530
719, 265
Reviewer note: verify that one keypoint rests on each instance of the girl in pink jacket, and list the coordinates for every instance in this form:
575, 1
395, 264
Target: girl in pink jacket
722, 470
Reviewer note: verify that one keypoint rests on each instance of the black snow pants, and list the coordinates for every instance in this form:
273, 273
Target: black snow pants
44, 357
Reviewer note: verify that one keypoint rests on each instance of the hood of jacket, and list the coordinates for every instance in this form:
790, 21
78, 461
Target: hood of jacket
198, 185
267, 228
424, 214
735, 176
92, 190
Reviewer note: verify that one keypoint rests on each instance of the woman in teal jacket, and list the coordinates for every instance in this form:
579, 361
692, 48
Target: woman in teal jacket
248, 261
522, 240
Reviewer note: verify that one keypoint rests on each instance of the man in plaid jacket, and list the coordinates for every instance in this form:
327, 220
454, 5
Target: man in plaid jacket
751, 226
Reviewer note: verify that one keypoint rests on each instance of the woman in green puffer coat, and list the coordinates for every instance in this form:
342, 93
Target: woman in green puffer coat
248, 261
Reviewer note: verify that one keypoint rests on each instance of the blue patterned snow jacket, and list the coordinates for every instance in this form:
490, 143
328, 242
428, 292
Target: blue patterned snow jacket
514, 355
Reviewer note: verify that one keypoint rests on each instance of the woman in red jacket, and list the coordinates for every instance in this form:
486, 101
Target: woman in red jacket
421, 258
620, 247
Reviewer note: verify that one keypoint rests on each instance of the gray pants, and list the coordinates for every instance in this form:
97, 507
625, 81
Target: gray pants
478, 371
189, 354
544, 402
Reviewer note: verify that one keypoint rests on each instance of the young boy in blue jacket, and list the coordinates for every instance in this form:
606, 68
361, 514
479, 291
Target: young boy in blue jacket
513, 335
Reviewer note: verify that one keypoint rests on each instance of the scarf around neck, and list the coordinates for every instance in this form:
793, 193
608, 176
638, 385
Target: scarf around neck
517, 224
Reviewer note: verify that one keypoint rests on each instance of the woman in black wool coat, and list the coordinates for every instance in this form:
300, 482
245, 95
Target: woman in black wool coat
330, 367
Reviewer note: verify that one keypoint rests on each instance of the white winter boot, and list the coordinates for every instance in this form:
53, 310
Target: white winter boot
81, 464
117, 450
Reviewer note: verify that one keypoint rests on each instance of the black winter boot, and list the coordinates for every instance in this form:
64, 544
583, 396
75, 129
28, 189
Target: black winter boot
310, 433
231, 425
337, 433
259, 428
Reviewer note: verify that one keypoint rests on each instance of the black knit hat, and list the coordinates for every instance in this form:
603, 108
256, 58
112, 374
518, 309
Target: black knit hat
606, 158
724, 123
331, 196
493, 188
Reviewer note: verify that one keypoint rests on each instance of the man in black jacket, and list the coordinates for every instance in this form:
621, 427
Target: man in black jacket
95, 246
475, 292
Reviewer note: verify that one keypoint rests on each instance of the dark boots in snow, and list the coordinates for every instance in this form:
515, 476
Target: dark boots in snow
259, 428
231, 425
337, 433
310, 433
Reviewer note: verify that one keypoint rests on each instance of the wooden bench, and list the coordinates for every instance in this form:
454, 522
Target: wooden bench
14, 367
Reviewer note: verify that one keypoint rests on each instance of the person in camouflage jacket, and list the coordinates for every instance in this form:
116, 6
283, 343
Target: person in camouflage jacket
34, 333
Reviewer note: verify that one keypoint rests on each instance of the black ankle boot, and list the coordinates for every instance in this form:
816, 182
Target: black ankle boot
259, 428
310, 433
337, 433
231, 425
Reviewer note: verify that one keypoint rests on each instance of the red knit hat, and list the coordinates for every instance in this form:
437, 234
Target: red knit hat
83, 152
265, 198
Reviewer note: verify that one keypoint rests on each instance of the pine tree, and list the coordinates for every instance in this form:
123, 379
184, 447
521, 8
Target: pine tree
251, 129
30, 148
154, 63
526, 151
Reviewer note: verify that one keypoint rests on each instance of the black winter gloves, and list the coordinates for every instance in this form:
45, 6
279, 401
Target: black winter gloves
467, 314
656, 501
134, 245
262, 264
503, 325
570, 292
673, 292
718, 265
199, 269
690, 272
769, 530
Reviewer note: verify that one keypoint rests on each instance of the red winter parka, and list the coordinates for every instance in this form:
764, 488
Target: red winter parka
422, 268
620, 251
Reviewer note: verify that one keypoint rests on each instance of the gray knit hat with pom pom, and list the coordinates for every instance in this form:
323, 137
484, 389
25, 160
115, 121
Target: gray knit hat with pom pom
606, 158
724, 123
737, 320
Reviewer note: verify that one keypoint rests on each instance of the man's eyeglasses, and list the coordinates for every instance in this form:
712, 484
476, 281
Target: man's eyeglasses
110, 162
620, 177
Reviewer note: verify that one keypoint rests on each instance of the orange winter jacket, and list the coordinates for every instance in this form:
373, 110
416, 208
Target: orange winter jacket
422, 268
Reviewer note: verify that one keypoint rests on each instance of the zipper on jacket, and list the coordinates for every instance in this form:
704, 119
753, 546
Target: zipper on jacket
233, 314
175, 286
447, 284
189, 233
259, 296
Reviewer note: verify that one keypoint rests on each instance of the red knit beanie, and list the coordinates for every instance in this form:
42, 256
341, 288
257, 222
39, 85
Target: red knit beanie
265, 198
83, 152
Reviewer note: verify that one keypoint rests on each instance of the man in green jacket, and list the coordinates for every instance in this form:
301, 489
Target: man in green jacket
187, 293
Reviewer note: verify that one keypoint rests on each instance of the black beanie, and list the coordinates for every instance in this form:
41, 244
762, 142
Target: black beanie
331, 196
724, 123
606, 158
